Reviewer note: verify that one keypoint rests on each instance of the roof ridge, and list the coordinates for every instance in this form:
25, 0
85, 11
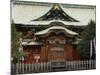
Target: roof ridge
56, 13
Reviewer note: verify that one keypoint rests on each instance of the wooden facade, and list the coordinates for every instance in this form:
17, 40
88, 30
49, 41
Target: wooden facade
56, 47
50, 34
54, 42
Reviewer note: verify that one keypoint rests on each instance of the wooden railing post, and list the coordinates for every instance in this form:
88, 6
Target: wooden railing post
22, 68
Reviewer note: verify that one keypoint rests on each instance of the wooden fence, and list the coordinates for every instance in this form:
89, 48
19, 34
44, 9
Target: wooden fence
21, 68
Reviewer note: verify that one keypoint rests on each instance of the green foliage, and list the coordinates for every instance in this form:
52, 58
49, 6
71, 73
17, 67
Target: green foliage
84, 45
89, 32
15, 43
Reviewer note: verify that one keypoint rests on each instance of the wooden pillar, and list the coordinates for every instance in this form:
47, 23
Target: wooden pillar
68, 52
46, 53
65, 52
43, 54
74, 54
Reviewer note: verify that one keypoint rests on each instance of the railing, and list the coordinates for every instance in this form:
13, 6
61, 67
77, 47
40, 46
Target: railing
81, 65
21, 68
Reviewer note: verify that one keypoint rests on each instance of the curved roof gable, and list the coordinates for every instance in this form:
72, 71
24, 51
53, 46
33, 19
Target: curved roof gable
56, 13
56, 28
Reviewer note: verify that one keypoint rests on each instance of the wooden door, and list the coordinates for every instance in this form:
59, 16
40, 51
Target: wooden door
56, 53
56, 48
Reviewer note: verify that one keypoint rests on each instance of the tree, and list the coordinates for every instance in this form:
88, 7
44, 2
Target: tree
84, 45
15, 44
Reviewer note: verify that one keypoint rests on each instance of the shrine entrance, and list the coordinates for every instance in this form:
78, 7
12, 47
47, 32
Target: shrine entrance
56, 52
56, 48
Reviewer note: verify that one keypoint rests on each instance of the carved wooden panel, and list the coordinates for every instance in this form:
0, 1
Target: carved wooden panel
56, 52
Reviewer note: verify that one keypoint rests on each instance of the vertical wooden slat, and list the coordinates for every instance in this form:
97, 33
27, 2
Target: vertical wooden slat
76, 64
22, 68
17, 68
32, 67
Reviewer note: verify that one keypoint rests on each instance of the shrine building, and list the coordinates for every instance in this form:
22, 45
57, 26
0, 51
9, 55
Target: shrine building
50, 31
